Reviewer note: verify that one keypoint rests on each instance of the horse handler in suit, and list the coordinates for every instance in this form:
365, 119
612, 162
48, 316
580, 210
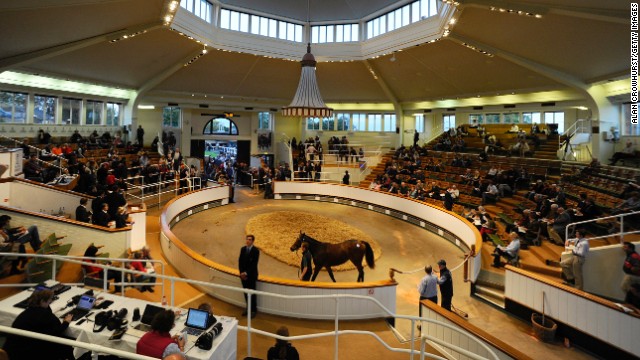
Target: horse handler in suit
248, 267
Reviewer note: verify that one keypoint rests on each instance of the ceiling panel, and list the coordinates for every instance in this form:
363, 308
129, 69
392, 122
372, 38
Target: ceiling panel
128, 63
447, 69
577, 46
35, 28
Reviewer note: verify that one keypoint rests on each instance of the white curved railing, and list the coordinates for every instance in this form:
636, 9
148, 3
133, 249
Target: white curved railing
337, 298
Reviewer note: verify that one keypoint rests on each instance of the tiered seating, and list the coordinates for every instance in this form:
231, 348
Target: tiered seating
38, 269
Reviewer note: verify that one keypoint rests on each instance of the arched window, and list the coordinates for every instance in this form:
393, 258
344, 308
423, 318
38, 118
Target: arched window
220, 126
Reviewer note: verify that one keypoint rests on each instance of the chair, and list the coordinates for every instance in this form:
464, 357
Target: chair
515, 261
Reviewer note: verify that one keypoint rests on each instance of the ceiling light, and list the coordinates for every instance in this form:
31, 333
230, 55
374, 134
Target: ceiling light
146, 107
308, 100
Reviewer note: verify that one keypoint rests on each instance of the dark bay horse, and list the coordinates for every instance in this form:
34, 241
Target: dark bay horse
327, 255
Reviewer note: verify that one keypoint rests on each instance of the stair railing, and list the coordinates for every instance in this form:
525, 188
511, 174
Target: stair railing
619, 234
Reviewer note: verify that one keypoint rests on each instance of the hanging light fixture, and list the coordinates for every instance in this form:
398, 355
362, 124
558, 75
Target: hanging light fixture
308, 101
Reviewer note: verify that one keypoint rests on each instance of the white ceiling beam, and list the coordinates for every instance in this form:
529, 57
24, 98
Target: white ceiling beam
167, 72
46, 53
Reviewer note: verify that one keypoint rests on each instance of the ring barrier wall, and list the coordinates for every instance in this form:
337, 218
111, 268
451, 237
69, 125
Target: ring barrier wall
587, 320
446, 224
196, 267
37, 197
116, 241
441, 338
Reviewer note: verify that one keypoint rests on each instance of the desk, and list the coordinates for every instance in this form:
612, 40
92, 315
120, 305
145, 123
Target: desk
224, 345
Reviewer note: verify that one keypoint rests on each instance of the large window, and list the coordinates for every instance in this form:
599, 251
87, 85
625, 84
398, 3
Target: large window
628, 128
374, 122
44, 109
419, 123
71, 109
220, 126
359, 122
479, 118
313, 123
260, 25
328, 124
511, 118
113, 114
408, 14
200, 8
94, 112
492, 118
448, 121
334, 33
171, 117
13, 107
265, 119
389, 122
531, 118
343, 121
555, 117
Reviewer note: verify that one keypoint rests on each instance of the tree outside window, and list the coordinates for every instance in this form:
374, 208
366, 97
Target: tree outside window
94, 112
44, 109
171, 117
13, 107
265, 120
448, 121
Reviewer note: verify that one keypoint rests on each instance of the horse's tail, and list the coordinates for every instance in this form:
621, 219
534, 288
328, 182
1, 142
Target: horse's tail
368, 254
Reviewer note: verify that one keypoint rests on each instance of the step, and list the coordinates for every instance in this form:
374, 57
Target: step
490, 295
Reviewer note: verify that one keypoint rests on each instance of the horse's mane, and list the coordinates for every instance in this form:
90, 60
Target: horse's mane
310, 240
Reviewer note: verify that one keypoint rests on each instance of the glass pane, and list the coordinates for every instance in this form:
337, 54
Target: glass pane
340, 33
315, 33
273, 28
415, 11
235, 21
20, 107
255, 24
376, 27
38, 109
354, 32
244, 22
433, 8
391, 21
398, 16
298, 33
264, 26
6, 106
405, 15
383, 24
330, 34
424, 9
370, 29
225, 15
291, 32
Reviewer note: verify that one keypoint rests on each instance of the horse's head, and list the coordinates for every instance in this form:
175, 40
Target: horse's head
296, 245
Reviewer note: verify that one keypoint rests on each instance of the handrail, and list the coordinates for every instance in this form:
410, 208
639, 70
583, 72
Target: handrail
80, 260
75, 343
172, 281
622, 233
437, 132
60, 158
159, 184
575, 128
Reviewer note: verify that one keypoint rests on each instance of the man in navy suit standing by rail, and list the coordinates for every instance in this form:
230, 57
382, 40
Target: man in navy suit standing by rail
248, 267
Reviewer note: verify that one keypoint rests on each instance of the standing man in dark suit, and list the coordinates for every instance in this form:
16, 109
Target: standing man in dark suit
446, 285
82, 214
102, 217
248, 267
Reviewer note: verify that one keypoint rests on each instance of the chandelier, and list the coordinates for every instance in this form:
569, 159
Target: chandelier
308, 102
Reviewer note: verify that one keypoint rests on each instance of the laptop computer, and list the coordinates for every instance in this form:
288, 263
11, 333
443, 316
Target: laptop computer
148, 314
85, 304
197, 322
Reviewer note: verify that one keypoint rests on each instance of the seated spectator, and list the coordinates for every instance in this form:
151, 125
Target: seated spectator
491, 194
33, 170
158, 342
138, 265
56, 150
521, 148
102, 217
629, 205
82, 214
514, 129
535, 129
43, 137
556, 227
283, 350
19, 234
122, 218
38, 317
91, 270
628, 152
487, 228
509, 252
